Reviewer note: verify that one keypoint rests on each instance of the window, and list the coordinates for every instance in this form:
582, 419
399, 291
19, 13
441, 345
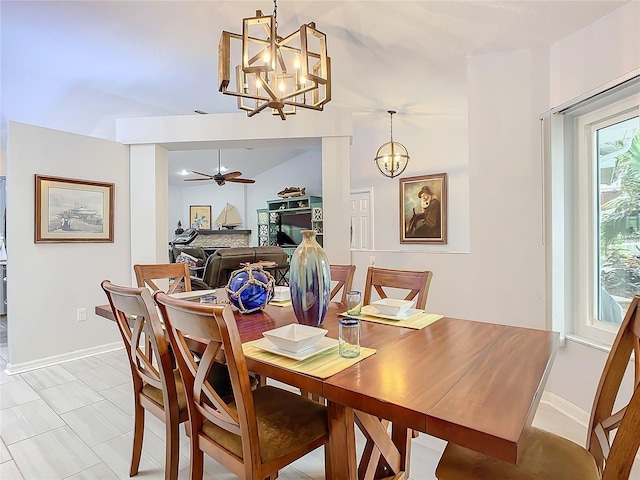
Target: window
595, 232
609, 193
616, 155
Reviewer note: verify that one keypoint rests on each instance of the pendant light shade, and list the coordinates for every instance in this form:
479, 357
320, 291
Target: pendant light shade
392, 158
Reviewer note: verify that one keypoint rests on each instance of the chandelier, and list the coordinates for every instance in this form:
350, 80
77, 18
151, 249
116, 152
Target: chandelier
392, 157
280, 73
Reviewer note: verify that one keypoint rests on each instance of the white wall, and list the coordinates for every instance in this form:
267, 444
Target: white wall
176, 211
591, 57
217, 197
595, 55
435, 145
49, 282
493, 267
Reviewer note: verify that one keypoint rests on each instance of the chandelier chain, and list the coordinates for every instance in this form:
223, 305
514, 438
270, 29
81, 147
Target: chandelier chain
275, 12
391, 114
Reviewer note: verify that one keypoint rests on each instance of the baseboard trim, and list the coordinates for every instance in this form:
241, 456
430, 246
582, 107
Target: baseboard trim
568, 409
15, 368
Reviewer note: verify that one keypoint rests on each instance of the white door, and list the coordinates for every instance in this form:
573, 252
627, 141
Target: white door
361, 220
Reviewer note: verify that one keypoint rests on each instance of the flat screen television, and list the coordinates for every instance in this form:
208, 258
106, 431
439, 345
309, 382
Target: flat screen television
289, 227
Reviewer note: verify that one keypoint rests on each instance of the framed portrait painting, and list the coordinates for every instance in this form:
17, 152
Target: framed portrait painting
423, 209
72, 210
200, 217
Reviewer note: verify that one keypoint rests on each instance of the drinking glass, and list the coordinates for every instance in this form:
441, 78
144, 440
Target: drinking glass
208, 299
349, 337
354, 303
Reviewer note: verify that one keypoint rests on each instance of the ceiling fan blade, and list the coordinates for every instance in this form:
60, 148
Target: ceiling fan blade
232, 175
203, 174
241, 180
198, 179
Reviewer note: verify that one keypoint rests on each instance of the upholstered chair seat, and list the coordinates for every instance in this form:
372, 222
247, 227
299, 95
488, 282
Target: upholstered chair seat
545, 457
286, 422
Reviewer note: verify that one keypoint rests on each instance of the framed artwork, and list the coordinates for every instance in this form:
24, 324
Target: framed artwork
423, 209
200, 217
72, 210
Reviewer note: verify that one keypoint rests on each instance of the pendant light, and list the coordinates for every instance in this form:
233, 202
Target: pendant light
392, 158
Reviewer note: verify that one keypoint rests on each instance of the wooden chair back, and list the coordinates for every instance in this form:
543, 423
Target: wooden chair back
143, 336
176, 273
216, 327
150, 359
615, 460
416, 282
343, 274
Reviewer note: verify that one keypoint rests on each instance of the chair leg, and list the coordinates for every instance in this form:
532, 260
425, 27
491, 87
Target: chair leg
138, 434
172, 449
196, 464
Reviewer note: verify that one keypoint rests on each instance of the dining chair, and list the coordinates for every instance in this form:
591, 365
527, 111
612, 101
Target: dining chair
343, 274
262, 430
157, 387
417, 282
176, 273
549, 457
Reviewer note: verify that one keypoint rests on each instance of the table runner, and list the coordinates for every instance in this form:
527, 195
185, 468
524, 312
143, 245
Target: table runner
417, 322
322, 365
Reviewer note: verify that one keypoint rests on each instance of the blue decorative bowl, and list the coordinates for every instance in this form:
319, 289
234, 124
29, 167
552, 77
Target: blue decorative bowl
250, 289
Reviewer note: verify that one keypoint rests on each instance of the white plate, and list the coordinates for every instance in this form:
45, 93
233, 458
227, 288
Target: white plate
192, 294
322, 345
412, 312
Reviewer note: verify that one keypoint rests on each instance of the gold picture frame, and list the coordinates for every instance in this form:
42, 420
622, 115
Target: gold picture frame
73, 210
423, 209
200, 217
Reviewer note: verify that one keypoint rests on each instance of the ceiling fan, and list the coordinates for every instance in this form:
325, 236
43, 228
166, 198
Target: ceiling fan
219, 177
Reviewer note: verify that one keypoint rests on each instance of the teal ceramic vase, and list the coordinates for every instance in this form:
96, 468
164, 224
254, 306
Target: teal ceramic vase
309, 281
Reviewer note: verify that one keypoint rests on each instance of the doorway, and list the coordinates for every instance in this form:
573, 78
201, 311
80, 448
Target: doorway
361, 220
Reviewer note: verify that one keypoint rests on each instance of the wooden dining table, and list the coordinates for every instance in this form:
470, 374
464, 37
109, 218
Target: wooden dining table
471, 383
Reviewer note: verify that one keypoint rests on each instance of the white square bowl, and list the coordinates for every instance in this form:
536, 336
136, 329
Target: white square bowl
392, 306
281, 293
295, 337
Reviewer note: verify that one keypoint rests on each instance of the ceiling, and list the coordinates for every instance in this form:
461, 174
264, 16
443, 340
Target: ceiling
77, 65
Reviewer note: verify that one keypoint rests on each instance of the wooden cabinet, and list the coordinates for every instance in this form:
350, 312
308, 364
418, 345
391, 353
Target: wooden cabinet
283, 219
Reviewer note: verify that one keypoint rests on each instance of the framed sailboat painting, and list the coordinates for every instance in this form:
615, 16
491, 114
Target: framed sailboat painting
73, 210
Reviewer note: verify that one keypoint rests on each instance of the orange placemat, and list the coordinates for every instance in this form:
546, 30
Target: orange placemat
322, 365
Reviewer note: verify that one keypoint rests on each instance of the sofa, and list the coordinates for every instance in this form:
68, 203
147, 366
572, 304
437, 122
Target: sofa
197, 252
216, 269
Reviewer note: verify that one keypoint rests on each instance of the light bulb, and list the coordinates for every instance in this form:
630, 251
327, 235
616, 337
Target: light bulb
281, 86
296, 62
258, 84
266, 57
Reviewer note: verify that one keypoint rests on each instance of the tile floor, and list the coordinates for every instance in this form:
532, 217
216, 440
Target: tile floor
74, 421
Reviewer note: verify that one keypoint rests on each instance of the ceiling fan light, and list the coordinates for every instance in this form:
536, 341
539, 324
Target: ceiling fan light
219, 177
